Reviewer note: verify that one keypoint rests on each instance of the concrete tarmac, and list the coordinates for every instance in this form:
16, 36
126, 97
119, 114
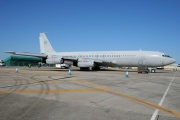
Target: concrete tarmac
52, 94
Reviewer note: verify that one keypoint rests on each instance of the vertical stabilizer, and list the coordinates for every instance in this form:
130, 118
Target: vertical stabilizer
45, 45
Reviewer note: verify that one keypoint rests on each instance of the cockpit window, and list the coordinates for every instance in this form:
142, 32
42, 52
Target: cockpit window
166, 56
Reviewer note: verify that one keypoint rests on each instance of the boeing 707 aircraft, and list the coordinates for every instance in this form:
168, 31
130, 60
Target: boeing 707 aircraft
96, 59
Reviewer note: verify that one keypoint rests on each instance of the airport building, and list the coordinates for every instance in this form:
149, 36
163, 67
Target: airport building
22, 61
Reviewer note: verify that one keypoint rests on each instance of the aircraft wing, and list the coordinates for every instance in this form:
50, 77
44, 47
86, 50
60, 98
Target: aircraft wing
27, 54
73, 59
98, 62
76, 59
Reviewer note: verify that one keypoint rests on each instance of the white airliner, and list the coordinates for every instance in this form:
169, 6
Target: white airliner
96, 59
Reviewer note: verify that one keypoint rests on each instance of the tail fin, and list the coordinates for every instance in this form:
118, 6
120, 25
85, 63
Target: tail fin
45, 45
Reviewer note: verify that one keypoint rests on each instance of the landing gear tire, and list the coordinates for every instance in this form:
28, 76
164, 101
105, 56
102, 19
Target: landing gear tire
84, 68
153, 70
147, 71
96, 68
89, 68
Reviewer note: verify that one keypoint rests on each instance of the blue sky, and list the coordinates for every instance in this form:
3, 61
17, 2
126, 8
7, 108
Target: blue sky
91, 25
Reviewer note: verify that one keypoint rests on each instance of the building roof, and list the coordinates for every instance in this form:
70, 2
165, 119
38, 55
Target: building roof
12, 57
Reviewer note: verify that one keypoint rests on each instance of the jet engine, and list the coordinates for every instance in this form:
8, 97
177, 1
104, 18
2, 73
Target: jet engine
53, 61
85, 63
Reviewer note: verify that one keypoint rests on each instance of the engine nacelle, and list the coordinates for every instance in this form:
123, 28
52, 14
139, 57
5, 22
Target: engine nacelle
85, 63
53, 61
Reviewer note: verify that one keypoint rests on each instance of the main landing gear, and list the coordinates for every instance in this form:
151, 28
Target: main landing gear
145, 69
89, 68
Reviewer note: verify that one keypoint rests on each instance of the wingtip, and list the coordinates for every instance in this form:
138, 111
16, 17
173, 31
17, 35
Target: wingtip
12, 52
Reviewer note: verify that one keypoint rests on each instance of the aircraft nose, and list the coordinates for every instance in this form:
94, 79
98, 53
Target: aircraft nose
173, 60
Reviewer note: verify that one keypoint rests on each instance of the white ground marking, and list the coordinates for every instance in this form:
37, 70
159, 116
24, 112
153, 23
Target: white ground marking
160, 103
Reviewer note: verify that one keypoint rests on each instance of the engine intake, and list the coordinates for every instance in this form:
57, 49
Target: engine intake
62, 61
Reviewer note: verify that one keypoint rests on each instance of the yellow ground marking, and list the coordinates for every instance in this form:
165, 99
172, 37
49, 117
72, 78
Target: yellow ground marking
49, 91
73, 81
23, 81
101, 88
143, 102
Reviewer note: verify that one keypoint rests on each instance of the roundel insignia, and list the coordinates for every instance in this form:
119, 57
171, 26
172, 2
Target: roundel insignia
140, 62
